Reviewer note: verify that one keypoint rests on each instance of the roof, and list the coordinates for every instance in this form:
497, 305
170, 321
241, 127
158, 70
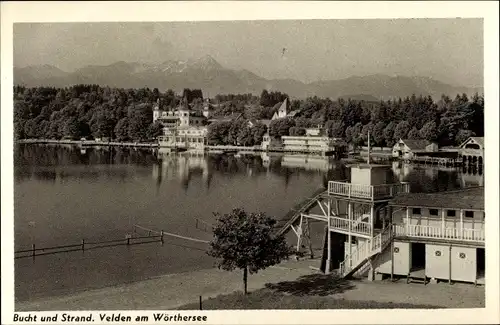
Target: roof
416, 144
468, 198
478, 140
265, 122
293, 113
284, 105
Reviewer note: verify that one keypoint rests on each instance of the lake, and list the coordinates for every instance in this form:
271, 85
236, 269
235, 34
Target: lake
64, 194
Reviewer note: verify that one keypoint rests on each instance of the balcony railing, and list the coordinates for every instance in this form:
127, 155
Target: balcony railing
354, 226
421, 231
371, 192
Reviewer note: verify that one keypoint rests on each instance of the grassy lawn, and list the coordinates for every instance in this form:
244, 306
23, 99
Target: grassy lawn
270, 299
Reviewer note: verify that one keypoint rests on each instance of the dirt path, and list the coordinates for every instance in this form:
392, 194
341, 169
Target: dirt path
172, 291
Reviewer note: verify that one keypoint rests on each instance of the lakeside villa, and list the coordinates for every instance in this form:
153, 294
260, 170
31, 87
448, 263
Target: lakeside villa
469, 153
387, 231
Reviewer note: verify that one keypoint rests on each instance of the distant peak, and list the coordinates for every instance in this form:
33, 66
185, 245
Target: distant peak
206, 62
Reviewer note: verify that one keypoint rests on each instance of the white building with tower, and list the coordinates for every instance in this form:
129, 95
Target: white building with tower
183, 128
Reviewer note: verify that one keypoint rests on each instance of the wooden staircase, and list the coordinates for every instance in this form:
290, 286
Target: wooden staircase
359, 258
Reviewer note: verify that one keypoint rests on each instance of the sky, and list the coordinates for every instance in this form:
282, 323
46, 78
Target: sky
449, 50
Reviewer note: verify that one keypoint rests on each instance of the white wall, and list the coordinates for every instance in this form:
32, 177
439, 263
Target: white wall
360, 176
463, 269
426, 219
402, 259
437, 266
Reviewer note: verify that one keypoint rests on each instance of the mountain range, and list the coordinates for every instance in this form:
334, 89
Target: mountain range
207, 74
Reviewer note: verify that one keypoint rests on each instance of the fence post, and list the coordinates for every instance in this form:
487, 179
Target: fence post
33, 250
128, 240
201, 304
161, 236
83, 244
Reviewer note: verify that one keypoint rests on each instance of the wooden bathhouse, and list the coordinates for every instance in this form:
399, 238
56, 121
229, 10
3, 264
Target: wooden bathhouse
387, 231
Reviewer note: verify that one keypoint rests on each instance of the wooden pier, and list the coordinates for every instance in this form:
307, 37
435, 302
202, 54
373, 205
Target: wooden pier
440, 161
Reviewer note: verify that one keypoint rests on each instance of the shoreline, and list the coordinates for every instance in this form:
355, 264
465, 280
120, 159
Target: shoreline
166, 291
173, 291
155, 145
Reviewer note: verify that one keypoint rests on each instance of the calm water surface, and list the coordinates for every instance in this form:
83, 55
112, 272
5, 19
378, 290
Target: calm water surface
64, 195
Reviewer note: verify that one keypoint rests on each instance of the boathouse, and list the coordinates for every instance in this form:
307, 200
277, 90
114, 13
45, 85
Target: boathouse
471, 151
409, 149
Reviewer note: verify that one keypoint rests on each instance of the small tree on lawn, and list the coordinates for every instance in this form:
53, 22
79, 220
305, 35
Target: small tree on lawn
246, 241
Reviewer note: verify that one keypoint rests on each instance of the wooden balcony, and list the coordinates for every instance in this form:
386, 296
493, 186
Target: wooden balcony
369, 192
432, 232
344, 225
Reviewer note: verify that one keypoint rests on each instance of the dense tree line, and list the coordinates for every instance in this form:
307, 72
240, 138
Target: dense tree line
237, 133
269, 99
88, 111
191, 94
447, 121
126, 114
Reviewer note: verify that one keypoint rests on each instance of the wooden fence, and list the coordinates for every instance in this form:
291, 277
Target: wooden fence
86, 245
151, 236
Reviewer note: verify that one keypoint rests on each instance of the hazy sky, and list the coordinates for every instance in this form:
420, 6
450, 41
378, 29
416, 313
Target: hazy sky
450, 50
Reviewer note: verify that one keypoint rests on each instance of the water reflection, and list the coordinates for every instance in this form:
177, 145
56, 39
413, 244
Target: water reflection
51, 163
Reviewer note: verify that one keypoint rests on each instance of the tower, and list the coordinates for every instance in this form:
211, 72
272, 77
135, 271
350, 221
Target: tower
156, 111
356, 210
206, 108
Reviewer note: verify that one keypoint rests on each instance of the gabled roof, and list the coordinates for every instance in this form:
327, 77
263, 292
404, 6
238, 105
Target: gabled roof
468, 198
478, 140
416, 144
293, 113
284, 105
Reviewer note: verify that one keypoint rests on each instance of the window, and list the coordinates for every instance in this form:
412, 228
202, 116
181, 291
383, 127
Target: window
416, 211
469, 214
433, 212
451, 213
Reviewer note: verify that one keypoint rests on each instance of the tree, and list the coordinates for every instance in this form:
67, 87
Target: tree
281, 127
246, 241
378, 133
217, 132
245, 136
258, 132
71, 128
401, 130
414, 134
296, 131
121, 129
154, 130
335, 129
429, 131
